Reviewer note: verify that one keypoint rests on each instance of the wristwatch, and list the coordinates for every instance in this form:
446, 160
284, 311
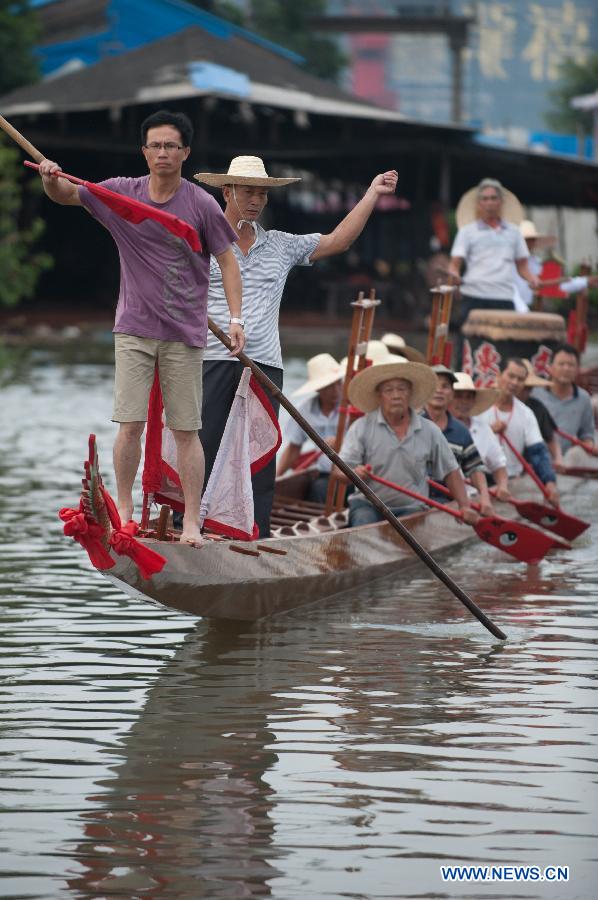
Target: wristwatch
234, 320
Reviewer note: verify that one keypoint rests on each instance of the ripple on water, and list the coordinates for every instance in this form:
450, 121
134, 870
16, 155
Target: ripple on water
340, 751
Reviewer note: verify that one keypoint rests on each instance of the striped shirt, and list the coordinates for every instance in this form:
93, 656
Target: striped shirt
264, 272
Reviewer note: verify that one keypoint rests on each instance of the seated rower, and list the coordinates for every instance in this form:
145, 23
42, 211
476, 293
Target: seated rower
396, 441
468, 402
517, 421
569, 405
321, 410
459, 439
546, 423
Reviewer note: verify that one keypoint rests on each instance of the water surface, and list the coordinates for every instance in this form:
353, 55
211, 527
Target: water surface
340, 751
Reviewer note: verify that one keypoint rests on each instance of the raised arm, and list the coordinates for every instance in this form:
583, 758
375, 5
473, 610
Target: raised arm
339, 240
58, 189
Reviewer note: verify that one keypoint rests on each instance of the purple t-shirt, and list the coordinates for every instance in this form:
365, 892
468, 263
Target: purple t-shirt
163, 283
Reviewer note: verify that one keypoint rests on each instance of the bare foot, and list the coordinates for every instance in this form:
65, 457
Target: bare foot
125, 512
191, 535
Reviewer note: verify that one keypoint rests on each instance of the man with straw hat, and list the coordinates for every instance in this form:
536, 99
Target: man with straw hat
265, 259
468, 403
491, 246
396, 442
322, 392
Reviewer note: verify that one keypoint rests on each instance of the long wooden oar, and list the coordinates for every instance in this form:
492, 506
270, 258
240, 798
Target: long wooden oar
590, 450
361, 485
492, 529
548, 517
529, 536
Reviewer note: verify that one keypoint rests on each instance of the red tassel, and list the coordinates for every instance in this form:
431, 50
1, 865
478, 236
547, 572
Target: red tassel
87, 533
124, 543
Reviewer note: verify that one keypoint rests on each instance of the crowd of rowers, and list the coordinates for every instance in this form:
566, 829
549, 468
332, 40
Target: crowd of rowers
413, 422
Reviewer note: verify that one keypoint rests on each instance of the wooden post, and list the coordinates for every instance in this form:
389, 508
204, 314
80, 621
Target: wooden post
439, 348
361, 328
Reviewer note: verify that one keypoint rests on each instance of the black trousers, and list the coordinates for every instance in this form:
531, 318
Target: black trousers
220, 382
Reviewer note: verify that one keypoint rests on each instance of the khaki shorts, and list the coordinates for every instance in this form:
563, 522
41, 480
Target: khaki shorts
180, 379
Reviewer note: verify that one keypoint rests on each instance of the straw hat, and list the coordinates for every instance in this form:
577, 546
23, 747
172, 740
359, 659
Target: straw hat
249, 170
485, 397
376, 352
396, 344
529, 232
532, 379
362, 390
322, 371
467, 208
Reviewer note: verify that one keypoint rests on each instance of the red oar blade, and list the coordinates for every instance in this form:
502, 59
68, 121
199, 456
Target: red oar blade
552, 519
520, 541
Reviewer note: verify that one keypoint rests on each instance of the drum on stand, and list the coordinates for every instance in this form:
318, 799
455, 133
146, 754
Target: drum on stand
492, 335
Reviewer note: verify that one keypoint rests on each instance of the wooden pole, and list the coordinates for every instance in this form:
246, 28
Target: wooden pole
364, 338
362, 486
21, 141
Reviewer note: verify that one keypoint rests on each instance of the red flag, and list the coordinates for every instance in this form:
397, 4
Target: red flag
134, 210
160, 477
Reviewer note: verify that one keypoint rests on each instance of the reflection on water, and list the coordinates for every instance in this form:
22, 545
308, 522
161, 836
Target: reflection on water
340, 751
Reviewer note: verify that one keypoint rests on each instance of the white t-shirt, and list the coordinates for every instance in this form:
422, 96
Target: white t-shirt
489, 446
522, 431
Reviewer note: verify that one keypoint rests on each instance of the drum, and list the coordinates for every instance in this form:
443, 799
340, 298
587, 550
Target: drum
492, 335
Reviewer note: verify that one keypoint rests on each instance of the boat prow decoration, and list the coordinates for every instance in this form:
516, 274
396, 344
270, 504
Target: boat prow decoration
96, 525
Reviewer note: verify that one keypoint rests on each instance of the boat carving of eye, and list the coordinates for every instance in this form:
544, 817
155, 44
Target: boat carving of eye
507, 538
547, 521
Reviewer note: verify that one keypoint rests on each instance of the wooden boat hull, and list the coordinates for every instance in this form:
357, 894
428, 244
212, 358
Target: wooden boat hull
220, 582
217, 582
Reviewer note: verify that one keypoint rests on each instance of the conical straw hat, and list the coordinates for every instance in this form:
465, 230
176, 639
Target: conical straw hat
362, 390
467, 208
249, 170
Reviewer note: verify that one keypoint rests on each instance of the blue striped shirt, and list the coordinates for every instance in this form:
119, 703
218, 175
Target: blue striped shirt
264, 272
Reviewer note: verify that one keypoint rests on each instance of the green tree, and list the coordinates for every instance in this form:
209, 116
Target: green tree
288, 24
576, 79
19, 31
20, 266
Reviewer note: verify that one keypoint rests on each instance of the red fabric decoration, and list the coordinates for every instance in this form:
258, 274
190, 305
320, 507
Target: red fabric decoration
134, 210
124, 543
89, 534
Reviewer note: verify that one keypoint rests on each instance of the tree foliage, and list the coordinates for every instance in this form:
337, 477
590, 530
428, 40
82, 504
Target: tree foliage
20, 266
19, 31
576, 79
288, 24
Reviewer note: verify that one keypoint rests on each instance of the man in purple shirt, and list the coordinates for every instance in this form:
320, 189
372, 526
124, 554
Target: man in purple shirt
162, 306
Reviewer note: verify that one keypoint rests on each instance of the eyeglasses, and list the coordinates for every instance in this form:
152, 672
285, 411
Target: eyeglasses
169, 146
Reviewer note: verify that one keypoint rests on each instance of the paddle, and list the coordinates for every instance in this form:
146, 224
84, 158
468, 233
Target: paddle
564, 519
527, 535
493, 530
361, 485
409, 539
549, 517
591, 451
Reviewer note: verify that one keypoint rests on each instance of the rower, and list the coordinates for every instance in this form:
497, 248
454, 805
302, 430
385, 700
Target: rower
545, 421
569, 405
468, 403
321, 410
517, 421
396, 442
458, 437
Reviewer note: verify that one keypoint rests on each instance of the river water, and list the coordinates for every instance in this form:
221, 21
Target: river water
346, 750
